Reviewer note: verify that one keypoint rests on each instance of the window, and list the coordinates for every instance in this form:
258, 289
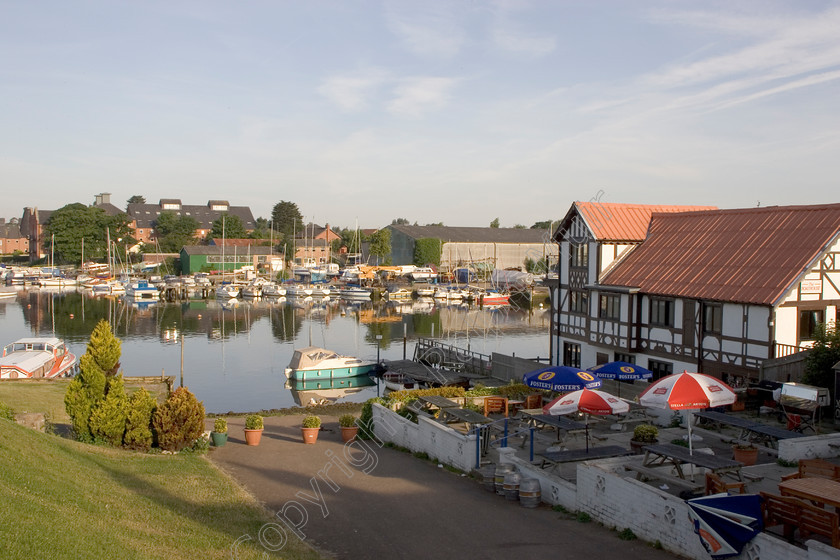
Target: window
571, 354
662, 312
578, 255
660, 369
629, 358
808, 321
578, 302
610, 307
712, 318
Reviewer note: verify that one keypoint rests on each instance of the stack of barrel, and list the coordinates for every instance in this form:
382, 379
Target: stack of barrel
505, 481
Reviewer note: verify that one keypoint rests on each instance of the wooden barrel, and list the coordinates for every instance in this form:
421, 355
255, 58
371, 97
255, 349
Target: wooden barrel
487, 475
529, 492
501, 471
511, 486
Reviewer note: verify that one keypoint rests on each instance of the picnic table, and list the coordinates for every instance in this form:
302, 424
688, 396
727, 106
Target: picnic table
756, 432
472, 419
669, 454
534, 418
554, 458
438, 401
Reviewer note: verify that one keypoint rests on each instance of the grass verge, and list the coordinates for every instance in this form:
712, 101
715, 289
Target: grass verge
64, 499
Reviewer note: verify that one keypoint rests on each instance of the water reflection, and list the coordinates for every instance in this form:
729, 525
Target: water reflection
235, 353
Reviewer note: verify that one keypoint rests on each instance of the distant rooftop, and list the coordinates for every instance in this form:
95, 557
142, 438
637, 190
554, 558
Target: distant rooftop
473, 234
612, 221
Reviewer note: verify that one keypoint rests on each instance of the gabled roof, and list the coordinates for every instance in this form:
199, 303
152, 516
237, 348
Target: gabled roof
612, 221
752, 255
239, 242
146, 215
217, 250
472, 234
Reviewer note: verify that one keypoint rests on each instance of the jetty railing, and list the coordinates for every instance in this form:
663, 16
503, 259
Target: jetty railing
436, 353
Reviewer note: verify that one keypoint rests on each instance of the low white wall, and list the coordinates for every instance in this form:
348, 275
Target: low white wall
811, 447
609, 498
439, 441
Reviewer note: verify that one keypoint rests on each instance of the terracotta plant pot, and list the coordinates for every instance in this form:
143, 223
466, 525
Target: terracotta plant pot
748, 456
310, 435
219, 439
252, 437
348, 433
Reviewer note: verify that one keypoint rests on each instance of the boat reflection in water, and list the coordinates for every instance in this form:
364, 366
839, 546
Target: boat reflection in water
327, 391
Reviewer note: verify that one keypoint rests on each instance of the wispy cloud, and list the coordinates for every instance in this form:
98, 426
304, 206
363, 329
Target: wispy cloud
418, 95
352, 92
426, 28
509, 35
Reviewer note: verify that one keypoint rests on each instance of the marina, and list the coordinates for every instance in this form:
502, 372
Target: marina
235, 350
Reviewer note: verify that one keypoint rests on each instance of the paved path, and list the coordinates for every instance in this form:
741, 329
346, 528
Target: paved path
393, 505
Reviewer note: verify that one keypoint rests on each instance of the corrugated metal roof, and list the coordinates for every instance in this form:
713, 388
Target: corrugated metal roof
610, 221
473, 234
744, 255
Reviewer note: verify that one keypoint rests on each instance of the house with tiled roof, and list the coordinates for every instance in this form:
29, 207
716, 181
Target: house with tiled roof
313, 246
144, 216
11, 238
716, 291
499, 248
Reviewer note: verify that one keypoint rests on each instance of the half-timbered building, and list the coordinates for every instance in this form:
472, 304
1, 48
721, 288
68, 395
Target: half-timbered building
716, 291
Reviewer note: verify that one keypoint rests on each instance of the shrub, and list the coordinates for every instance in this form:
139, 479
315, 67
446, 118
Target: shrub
220, 426
253, 422
366, 418
138, 425
6, 411
448, 392
680, 441
583, 517
627, 535
108, 417
179, 421
347, 421
645, 433
311, 421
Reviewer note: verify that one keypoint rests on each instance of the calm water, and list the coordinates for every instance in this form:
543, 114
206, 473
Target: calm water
235, 355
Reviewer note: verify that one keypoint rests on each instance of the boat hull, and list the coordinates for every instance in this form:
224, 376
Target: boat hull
339, 372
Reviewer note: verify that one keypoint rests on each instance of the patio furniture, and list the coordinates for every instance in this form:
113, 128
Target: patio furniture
716, 485
669, 454
437, 401
819, 491
750, 430
534, 418
815, 468
554, 458
795, 514
495, 405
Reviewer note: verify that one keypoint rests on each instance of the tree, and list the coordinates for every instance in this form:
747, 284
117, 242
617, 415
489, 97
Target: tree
427, 251
519, 226
74, 224
179, 421
546, 224
107, 419
137, 199
287, 221
399, 222
380, 244
138, 425
494, 223
229, 226
822, 357
261, 230
96, 366
174, 231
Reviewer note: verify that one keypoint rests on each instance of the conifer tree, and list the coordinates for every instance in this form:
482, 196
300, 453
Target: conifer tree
138, 428
108, 417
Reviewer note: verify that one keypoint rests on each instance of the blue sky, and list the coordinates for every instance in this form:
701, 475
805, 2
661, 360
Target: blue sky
452, 111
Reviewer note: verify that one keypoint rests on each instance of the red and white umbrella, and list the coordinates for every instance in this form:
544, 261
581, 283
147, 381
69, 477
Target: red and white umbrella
687, 391
589, 401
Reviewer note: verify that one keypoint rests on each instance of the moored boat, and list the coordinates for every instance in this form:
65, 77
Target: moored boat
319, 363
36, 358
227, 291
399, 382
142, 289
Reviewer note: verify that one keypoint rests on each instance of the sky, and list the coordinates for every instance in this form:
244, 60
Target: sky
456, 111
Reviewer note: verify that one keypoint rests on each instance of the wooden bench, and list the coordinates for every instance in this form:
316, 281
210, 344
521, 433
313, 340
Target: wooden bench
645, 474
794, 514
819, 468
716, 485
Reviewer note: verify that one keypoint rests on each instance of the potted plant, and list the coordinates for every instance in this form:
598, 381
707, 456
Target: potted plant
253, 429
310, 427
349, 429
643, 434
746, 453
219, 433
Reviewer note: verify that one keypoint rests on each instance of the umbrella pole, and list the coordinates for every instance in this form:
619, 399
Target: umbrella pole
587, 433
690, 443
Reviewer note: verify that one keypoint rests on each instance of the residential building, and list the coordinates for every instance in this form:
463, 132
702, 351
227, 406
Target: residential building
32, 227
144, 216
313, 246
715, 291
11, 238
499, 248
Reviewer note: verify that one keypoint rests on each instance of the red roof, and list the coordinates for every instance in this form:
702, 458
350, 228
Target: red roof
610, 221
749, 255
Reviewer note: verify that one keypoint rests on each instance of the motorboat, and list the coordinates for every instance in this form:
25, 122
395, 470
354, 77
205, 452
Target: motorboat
36, 358
355, 292
398, 294
272, 289
399, 382
299, 290
493, 298
424, 290
142, 289
319, 363
423, 273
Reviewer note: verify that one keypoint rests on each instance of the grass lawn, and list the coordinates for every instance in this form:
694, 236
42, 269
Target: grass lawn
47, 395
64, 499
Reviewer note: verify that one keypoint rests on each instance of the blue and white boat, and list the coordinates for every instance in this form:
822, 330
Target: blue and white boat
318, 363
142, 289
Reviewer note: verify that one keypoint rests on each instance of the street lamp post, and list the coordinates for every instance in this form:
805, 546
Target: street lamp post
378, 340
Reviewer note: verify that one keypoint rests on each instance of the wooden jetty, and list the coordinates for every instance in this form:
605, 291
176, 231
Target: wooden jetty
431, 376
438, 354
